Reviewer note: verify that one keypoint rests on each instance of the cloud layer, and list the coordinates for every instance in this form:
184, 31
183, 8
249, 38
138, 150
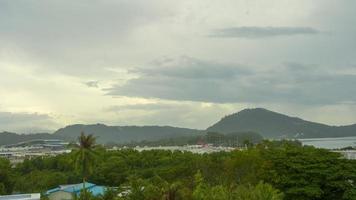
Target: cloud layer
189, 79
252, 32
78, 38
183, 63
26, 122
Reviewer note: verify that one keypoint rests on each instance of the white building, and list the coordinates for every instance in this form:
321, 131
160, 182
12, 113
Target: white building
199, 149
36, 196
348, 154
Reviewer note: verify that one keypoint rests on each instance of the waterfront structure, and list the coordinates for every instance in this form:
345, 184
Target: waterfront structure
53, 144
68, 192
199, 149
16, 153
35, 196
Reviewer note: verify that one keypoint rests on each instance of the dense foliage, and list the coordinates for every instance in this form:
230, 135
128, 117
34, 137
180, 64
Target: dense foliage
270, 170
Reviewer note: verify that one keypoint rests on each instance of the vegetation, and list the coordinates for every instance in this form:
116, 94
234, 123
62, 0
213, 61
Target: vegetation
267, 171
267, 123
85, 156
6, 177
124, 134
275, 125
8, 138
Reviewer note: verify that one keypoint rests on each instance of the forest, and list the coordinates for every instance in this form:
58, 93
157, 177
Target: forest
270, 170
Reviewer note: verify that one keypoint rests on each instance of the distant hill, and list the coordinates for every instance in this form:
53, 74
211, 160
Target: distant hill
275, 125
267, 123
13, 138
124, 134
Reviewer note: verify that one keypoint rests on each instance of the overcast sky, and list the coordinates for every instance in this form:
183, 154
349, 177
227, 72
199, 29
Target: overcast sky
183, 63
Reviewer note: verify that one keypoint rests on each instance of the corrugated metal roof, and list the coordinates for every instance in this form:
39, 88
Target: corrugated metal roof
35, 196
77, 188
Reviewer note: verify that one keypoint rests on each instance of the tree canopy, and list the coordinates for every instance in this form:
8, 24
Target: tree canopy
270, 170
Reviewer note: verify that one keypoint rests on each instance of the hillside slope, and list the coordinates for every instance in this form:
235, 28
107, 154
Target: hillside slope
13, 138
275, 125
124, 134
267, 123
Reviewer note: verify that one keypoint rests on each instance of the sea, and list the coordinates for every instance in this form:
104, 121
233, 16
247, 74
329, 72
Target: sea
330, 143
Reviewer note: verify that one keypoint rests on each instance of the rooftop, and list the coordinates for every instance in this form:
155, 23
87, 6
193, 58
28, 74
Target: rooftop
36, 196
77, 188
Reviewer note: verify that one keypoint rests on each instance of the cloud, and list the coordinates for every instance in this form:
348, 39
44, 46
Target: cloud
189, 79
80, 38
173, 113
92, 84
147, 106
50, 49
184, 78
26, 122
253, 32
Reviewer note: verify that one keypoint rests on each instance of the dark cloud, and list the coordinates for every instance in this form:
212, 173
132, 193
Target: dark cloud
189, 68
92, 84
72, 37
148, 106
195, 80
262, 32
182, 79
26, 122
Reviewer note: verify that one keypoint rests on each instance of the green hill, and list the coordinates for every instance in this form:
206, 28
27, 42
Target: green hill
267, 123
13, 138
124, 134
275, 125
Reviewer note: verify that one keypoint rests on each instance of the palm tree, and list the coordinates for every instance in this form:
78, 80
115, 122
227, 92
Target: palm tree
85, 156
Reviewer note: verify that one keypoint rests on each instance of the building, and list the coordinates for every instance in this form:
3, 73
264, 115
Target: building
198, 149
36, 196
17, 153
53, 144
348, 154
66, 192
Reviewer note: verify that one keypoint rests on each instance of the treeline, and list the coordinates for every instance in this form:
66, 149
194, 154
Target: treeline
237, 139
267, 171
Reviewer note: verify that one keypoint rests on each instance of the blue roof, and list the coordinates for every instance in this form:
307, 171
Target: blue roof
97, 190
77, 188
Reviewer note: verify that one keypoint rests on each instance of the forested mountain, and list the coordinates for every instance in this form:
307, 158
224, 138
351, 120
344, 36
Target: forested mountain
105, 134
12, 138
275, 125
124, 134
267, 123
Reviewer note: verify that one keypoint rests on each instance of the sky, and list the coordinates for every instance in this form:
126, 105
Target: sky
182, 63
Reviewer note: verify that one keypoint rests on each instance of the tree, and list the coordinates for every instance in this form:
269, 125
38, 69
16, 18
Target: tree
39, 181
6, 177
305, 173
85, 156
262, 191
244, 167
110, 194
204, 191
2, 189
136, 189
111, 171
